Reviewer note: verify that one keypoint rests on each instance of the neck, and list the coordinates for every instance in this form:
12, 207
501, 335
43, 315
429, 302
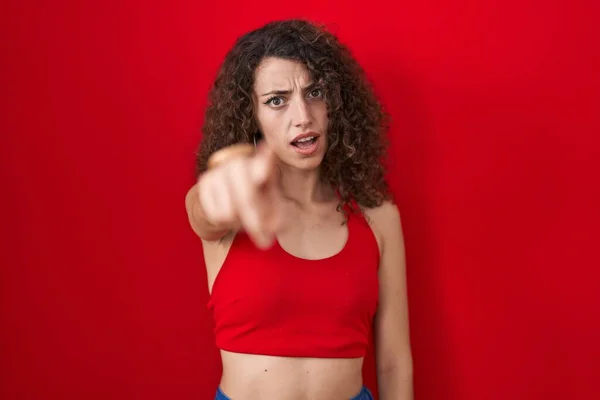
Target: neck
303, 187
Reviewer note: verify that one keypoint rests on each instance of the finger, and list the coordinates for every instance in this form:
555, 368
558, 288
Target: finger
265, 173
268, 203
248, 205
263, 164
270, 194
268, 191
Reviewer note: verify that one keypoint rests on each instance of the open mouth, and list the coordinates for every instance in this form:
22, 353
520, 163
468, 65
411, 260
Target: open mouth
305, 142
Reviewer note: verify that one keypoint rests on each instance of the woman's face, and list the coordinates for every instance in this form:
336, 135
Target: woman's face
291, 112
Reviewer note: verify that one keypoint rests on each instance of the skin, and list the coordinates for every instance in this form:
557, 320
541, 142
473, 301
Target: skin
277, 195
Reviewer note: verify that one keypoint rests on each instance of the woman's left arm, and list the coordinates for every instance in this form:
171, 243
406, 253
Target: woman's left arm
392, 339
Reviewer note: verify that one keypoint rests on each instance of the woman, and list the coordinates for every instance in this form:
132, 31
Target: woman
304, 250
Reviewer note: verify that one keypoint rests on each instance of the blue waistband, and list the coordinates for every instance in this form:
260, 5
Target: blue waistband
365, 394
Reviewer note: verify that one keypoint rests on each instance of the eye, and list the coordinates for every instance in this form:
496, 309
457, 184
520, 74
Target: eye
317, 92
275, 101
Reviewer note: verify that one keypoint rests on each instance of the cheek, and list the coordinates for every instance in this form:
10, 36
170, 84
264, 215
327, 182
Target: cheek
321, 115
269, 123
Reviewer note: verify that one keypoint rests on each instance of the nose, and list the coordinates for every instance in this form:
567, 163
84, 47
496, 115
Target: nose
302, 117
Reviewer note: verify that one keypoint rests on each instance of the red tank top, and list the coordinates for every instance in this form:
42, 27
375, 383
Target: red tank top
273, 303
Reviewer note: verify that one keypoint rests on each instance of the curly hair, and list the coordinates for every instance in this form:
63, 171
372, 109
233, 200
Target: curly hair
353, 162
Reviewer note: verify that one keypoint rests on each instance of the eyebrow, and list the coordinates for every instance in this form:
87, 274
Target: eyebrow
287, 91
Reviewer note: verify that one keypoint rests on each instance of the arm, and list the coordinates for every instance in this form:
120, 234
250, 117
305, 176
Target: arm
392, 340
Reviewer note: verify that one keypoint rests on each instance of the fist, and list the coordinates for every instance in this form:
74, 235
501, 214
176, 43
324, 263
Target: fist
243, 193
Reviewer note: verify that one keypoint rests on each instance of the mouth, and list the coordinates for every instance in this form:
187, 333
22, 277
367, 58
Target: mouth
306, 144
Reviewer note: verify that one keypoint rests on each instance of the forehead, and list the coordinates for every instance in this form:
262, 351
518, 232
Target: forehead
278, 73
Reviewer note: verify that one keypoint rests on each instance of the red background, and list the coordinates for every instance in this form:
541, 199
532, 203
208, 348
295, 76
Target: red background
495, 168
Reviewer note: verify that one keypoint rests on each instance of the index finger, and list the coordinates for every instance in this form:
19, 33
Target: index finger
263, 165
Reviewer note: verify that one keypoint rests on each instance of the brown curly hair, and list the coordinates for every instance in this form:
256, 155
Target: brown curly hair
357, 123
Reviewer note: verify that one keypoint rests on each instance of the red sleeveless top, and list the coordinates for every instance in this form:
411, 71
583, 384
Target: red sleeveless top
273, 303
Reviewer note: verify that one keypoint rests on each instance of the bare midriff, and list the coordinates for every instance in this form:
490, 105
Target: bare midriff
250, 376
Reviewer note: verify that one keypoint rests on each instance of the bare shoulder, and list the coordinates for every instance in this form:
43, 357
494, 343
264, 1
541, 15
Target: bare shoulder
385, 221
384, 214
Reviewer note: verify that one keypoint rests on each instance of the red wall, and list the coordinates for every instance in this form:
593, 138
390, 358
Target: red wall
495, 156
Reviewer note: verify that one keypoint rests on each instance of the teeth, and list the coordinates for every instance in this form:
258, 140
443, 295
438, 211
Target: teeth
306, 139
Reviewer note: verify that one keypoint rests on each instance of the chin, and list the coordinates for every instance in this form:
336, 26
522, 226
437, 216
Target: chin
305, 163
309, 165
